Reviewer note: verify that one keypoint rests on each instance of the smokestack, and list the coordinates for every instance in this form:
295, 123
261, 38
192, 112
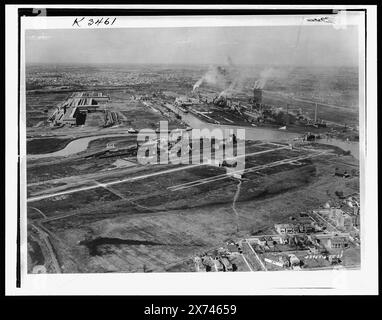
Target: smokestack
257, 95
315, 113
287, 114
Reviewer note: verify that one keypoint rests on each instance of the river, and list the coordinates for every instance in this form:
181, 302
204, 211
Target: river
72, 147
251, 133
269, 134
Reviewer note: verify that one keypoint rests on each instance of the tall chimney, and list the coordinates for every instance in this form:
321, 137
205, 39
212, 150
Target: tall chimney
315, 113
257, 96
287, 114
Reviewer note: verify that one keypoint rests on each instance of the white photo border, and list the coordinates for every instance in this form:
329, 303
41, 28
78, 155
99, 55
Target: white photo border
332, 282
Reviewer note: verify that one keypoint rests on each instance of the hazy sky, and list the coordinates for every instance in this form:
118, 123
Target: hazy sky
286, 45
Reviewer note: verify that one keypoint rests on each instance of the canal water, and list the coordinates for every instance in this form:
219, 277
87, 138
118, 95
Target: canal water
251, 133
268, 134
72, 147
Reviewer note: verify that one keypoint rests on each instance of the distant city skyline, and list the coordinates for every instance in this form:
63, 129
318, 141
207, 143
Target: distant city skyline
280, 45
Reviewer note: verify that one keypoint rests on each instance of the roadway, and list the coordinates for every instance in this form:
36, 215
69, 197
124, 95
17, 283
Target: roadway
91, 179
252, 169
194, 183
45, 238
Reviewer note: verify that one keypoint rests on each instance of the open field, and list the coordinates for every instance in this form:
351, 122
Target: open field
148, 225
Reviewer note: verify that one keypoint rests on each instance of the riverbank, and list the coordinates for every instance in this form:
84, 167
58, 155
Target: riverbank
251, 133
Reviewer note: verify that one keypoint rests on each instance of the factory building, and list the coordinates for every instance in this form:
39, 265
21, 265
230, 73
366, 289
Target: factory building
291, 228
74, 109
342, 220
338, 243
98, 96
269, 240
333, 241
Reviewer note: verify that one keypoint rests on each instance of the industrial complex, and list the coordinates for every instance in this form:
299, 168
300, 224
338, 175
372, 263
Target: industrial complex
92, 206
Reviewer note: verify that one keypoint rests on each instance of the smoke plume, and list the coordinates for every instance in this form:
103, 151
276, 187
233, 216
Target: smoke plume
235, 86
264, 76
215, 75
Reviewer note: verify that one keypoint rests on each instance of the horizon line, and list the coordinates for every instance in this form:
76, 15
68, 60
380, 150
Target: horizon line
188, 64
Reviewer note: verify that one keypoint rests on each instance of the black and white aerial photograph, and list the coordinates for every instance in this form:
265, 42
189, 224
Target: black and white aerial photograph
193, 148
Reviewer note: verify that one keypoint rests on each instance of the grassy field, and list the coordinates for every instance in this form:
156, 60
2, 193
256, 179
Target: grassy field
72, 202
155, 229
181, 233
